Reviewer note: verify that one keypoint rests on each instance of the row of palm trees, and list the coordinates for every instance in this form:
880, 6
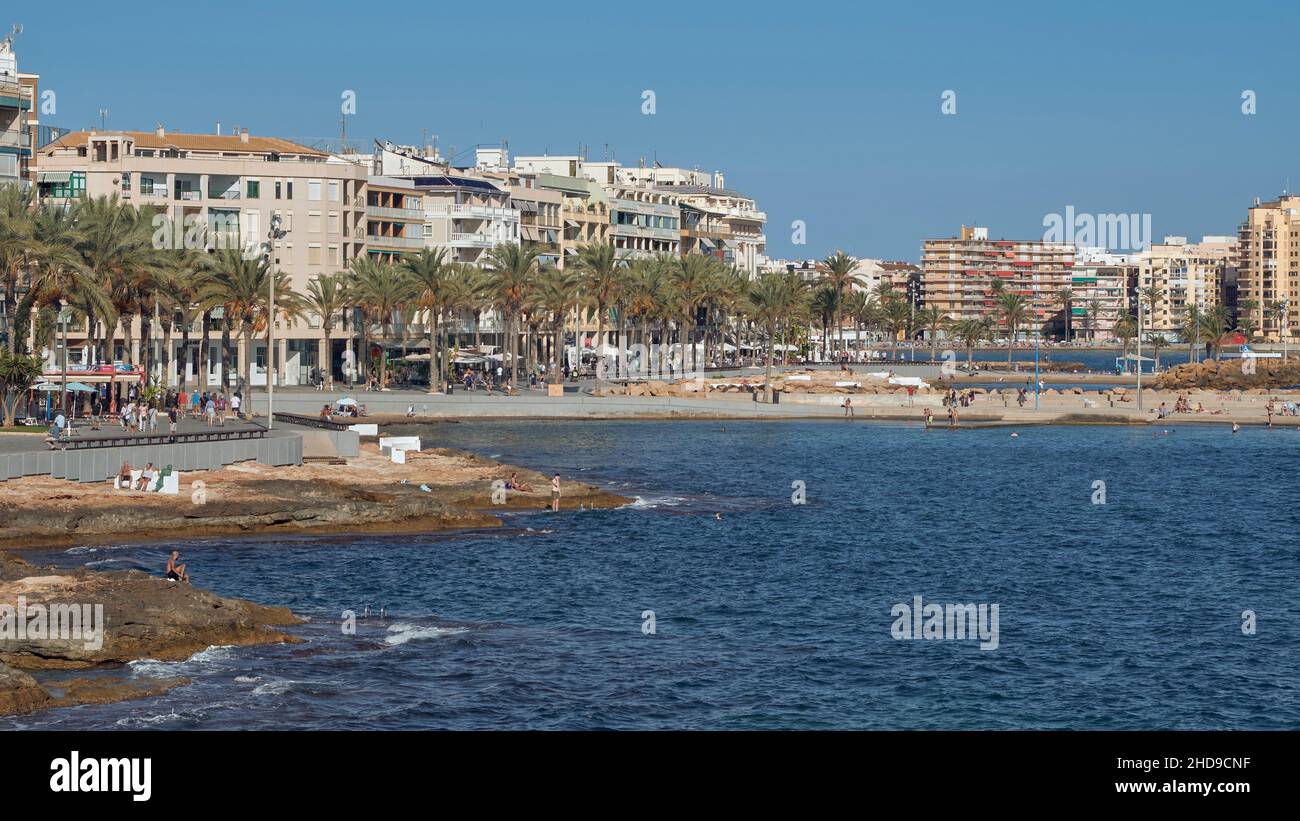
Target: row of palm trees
104, 266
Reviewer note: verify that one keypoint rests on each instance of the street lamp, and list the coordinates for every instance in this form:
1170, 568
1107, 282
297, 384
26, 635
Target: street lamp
275, 233
65, 317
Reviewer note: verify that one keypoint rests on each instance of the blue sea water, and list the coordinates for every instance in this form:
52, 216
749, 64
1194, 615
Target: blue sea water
1126, 614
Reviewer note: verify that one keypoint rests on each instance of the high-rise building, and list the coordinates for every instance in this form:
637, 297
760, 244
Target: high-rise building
959, 275
1179, 275
1268, 266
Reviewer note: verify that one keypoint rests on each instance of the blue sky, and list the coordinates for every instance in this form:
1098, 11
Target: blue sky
825, 112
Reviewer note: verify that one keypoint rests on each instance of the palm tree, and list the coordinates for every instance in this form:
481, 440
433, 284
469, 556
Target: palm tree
240, 287
644, 291
1156, 341
1125, 329
1065, 298
1151, 297
599, 265
327, 298
841, 278
382, 289
512, 268
825, 306
1095, 307
554, 293
17, 241
773, 299
896, 312
429, 275
1277, 309
932, 319
971, 332
1214, 324
1014, 310
689, 282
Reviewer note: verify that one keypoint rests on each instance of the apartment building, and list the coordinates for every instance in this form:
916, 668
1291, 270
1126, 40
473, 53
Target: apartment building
1268, 266
644, 221
232, 185
394, 218
584, 211
1104, 284
468, 215
1184, 274
958, 275
17, 96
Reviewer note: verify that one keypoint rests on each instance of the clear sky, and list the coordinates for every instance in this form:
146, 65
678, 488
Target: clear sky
828, 113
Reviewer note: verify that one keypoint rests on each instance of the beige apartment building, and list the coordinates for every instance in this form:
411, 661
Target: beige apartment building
1268, 265
958, 275
1184, 274
1104, 284
232, 184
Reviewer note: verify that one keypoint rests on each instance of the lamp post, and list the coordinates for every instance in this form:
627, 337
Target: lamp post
1139, 351
64, 319
1037, 382
275, 233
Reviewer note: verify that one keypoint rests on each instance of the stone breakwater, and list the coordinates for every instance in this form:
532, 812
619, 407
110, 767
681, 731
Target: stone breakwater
1257, 374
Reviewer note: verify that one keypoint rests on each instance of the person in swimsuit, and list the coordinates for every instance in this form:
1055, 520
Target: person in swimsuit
176, 572
555, 494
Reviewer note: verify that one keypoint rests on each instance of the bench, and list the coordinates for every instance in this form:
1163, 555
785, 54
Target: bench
171, 483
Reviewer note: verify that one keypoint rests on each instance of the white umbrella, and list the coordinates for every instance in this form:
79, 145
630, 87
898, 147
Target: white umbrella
346, 401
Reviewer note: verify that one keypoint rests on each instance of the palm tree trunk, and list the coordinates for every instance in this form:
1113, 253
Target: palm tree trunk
1011, 339
435, 329
767, 370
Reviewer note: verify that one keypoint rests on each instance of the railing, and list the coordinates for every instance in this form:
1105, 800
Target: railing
395, 213
229, 194
474, 240
472, 211
398, 242
308, 421
134, 440
16, 139
187, 195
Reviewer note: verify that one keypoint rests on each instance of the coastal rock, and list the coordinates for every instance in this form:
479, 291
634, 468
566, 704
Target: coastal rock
143, 616
19, 692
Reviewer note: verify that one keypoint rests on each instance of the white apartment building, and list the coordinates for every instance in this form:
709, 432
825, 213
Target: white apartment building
1185, 274
15, 109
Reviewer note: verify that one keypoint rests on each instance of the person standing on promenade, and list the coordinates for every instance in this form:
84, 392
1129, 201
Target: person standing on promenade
172, 416
848, 407
555, 493
235, 401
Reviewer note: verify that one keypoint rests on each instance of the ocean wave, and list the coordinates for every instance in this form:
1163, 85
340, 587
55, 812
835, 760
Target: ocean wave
77, 551
402, 632
247, 679
148, 721
277, 687
642, 503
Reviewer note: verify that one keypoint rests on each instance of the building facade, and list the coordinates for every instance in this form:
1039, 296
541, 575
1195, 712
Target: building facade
1179, 275
1268, 266
232, 185
17, 100
958, 275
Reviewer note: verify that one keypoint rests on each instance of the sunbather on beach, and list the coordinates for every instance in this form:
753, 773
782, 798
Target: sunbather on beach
124, 477
146, 476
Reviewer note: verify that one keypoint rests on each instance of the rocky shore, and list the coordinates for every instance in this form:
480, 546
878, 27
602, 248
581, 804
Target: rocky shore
1228, 375
135, 616
367, 494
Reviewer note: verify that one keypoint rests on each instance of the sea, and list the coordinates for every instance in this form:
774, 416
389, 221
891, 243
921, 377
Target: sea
757, 577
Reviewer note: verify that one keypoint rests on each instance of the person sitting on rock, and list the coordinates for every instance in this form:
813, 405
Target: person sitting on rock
124, 477
176, 572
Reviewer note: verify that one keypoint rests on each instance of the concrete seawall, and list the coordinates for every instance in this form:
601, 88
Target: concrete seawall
99, 464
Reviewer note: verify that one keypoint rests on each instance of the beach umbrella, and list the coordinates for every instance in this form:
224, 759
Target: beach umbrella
80, 387
346, 402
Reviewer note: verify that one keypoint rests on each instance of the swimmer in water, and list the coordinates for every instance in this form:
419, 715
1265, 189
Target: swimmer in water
717, 517
1235, 427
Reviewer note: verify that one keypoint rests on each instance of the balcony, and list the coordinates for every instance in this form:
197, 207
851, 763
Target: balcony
19, 138
395, 242
472, 240
403, 214
472, 212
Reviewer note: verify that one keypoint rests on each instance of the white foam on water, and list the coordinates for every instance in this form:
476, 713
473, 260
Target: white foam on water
77, 551
153, 668
247, 679
136, 721
213, 653
403, 632
274, 688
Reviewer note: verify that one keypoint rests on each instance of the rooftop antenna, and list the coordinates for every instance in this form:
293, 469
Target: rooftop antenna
103, 119
17, 30
343, 139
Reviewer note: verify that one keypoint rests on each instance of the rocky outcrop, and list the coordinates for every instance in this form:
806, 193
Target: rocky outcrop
119, 617
1228, 375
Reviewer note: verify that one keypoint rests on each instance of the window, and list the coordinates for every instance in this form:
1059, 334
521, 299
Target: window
254, 189
313, 190
288, 190
428, 231
334, 222
334, 191
146, 184
333, 255
313, 222
313, 253
126, 183
277, 189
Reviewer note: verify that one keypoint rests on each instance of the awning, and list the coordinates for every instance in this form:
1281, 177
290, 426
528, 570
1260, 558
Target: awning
571, 223
529, 232
570, 251
55, 176
524, 205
